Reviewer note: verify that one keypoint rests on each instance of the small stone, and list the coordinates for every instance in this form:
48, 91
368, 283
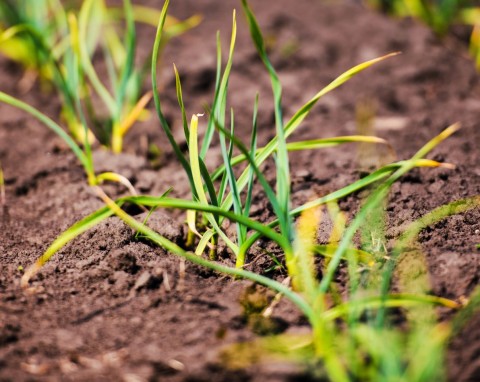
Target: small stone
304, 174
148, 281
391, 123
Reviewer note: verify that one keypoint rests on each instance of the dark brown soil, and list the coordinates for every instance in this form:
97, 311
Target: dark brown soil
117, 309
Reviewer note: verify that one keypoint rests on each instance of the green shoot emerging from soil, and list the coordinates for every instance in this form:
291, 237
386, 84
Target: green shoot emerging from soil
228, 194
351, 323
59, 44
440, 16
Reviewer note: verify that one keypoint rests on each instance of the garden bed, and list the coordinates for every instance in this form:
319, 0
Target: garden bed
111, 307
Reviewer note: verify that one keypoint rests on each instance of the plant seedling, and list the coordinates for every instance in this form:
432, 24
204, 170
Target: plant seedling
439, 16
63, 42
59, 44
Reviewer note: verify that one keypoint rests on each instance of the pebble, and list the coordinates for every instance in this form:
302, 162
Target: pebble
148, 280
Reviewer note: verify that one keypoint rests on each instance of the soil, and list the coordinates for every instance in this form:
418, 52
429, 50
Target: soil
111, 307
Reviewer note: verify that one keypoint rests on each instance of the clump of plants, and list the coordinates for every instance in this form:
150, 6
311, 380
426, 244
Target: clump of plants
439, 15
58, 45
352, 336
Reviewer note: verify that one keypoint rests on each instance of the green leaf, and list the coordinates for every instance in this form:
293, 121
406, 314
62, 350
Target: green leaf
84, 18
281, 160
221, 89
75, 230
197, 181
87, 164
158, 106
309, 145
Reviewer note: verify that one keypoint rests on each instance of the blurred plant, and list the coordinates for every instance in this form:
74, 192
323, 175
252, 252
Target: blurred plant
21, 24
58, 44
440, 15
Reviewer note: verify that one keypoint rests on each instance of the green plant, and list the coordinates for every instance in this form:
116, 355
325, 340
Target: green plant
348, 336
21, 23
439, 15
196, 169
202, 181
59, 45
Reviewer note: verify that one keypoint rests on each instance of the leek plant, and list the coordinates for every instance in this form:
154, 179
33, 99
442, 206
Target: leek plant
59, 44
230, 189
439, 15
22, 24
63, 43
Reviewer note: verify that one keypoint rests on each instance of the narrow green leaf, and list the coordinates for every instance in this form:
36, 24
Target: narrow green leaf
87, 165
392, 301
203, 168
221, 88
237, 202
309, 145
75, 230
158, 106
253, 150
87, 66
126, 73
332, 142
204, 241
327, 250
197, 180
282, 162
178, 86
